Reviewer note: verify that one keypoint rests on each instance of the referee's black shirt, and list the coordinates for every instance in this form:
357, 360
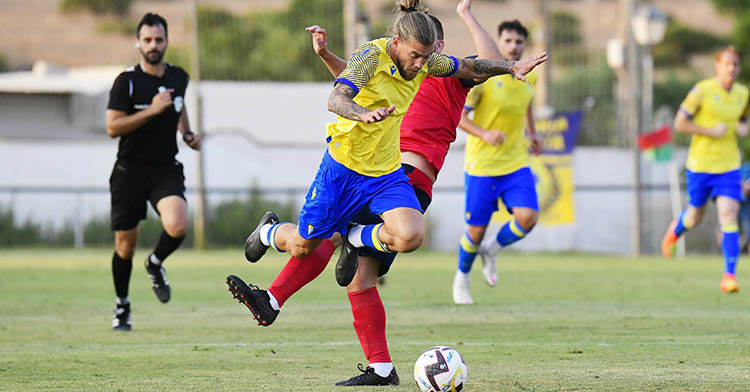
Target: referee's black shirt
154, 143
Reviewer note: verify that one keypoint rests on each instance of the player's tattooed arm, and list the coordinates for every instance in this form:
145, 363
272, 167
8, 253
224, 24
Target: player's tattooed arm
341, 102
478, 68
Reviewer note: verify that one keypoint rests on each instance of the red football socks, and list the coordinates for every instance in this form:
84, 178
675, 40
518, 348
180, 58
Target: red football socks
297, 273
369, 323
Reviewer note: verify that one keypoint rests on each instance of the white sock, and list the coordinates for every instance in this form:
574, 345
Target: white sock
491, 247
382, 369
355, 236
154, 260
264, 233
123, 301
273, 301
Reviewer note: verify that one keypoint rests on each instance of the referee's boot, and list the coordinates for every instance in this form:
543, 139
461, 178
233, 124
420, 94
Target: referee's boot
159, 281
369, 377
253, 298
254, 248
348, 262
121, 319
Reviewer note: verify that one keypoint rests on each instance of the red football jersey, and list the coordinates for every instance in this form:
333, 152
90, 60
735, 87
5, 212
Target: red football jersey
429, 126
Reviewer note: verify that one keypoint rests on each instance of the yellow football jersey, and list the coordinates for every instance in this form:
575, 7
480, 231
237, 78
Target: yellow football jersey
708, 104
374, 149
500, 103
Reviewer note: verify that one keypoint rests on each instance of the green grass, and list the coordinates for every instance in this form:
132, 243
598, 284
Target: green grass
556, 322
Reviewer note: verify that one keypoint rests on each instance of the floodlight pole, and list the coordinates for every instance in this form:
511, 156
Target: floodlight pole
635, 116
199, 220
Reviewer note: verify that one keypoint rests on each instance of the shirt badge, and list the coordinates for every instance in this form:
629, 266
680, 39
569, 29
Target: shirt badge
178, 103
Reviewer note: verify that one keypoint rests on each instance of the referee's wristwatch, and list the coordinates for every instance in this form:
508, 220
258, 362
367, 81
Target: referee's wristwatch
186, 135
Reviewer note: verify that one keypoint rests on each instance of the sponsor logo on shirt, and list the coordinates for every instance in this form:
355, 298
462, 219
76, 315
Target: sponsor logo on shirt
393, 69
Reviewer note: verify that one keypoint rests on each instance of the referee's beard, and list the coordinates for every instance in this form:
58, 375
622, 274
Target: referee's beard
153, 57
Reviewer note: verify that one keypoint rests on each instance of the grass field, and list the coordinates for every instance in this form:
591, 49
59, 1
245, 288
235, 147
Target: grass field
556, 322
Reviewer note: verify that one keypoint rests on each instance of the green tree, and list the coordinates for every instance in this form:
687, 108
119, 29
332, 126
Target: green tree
681, 42
269, 45
565, 29
119, 7
4, 63
741, 12
589, 87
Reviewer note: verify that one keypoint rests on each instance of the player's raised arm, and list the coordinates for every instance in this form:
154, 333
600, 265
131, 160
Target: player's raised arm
335, 64
483, 41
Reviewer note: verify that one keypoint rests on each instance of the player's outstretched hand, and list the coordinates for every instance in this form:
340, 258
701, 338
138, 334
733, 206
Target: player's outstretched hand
743, 129
192, 140
376, 115
319, 39
463, 6
162, 100
522, 67
493, 137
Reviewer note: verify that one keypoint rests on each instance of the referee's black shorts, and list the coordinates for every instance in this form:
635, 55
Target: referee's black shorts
132, 185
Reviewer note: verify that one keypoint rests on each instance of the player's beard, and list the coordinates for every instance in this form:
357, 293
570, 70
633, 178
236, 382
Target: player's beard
153, 57
514, 56
401, 71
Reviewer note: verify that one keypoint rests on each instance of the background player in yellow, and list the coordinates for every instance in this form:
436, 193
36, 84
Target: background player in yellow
497, 162
715, 113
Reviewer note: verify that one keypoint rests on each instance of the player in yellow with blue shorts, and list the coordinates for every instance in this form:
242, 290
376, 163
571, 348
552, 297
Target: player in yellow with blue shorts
362, 164
715, 113
497, 162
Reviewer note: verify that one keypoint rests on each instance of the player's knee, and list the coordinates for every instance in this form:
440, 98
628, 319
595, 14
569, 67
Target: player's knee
175, 228
476, 233
527, 221
125, 249
409, 241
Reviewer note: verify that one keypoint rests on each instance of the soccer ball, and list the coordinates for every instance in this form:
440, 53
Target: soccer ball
440, 369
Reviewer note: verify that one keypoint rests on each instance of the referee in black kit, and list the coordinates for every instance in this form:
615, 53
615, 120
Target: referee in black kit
146, 107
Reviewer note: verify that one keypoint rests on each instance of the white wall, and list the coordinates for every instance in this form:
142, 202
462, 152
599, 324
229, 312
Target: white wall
288, 120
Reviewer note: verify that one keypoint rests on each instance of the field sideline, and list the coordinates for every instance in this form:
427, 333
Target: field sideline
556, 322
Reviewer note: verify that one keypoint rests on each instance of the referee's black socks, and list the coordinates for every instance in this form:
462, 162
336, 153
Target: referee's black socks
167, 244
121, 269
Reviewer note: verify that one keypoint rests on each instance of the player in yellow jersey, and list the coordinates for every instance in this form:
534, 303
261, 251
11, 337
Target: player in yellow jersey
715, 113
362, 165
497, 162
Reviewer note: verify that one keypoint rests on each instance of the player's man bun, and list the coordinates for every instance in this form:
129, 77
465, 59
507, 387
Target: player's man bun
414, 23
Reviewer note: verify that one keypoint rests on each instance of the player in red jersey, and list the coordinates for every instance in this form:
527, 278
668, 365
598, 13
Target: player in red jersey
427, 130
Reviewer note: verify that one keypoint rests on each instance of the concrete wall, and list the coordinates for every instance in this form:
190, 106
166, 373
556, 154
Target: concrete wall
272, 135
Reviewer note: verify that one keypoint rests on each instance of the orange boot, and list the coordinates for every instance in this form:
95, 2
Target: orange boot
729, 284
669, 241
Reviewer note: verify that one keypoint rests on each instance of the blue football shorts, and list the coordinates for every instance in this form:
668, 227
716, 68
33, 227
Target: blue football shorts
338, 193
701, 186
516, 189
